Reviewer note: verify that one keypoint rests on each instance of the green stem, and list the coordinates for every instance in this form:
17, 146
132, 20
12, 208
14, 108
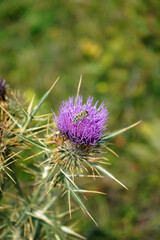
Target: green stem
18, 186
37, 228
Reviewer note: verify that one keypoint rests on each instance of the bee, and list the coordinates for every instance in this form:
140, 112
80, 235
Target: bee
80, 116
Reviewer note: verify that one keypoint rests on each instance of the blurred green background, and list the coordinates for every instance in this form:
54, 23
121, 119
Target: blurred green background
115, 45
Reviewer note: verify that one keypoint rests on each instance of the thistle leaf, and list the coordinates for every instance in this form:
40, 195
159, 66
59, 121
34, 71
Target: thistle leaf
71, 232
115, 133
81, 204
36, 108
71, 190
38, 214
20, 105
37, 144
11, 117
68, 178
104, 171
88, 191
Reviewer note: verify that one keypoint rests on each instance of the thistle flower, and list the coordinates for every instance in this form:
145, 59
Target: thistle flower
82, 123
2, 89
80, 127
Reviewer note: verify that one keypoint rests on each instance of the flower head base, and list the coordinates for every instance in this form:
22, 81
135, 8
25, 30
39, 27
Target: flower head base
82, 123
2, 89
72, 155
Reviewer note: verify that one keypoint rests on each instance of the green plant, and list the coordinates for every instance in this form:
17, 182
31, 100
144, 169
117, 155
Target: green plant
61, 150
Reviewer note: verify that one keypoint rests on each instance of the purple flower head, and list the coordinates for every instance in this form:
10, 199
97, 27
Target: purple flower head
2, 89
81, 123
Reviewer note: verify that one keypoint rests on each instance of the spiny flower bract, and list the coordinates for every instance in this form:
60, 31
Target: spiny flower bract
88, 129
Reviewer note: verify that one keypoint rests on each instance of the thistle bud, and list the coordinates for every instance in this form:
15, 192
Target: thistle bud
81, 127
2, 89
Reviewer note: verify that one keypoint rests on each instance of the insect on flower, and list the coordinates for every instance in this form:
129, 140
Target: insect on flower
80, 116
